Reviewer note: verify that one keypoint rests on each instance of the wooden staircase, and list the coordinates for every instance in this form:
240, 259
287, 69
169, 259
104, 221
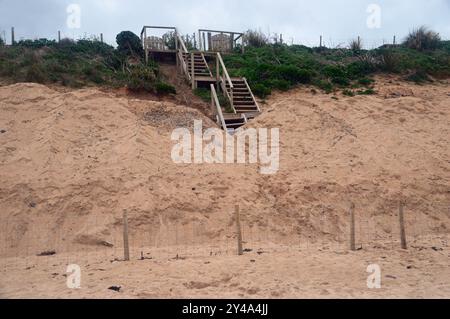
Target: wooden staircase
243, 104
244, 101
196, 64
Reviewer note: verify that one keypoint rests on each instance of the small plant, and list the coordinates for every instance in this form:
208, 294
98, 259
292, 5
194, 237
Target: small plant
366, 81
422, 39
348, 92
366, 92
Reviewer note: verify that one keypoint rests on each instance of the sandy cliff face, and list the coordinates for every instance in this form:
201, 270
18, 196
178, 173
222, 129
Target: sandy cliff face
71, 162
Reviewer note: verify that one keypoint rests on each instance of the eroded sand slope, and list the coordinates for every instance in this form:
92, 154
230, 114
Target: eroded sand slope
71, 162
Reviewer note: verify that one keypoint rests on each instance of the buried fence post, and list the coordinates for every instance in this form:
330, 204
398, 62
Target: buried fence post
239, 231
126, 247
402, 226
352, 227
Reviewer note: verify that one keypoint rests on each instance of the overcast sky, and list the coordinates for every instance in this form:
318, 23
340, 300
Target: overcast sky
299, 21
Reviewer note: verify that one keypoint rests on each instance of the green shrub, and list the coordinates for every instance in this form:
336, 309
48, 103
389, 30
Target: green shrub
35, 74
366, 81
325, 85
389, 60
422, 39
164, 88
129, 44
261, 90
203, 93
418, 77
36, 44
293, 74
281, 85
141, 79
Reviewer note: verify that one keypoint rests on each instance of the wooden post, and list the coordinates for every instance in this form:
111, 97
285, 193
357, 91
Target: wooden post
145, 45
239, 231
204, 41
359, 41
59, 36
320, 42
12, 36
101, 37
209, 41
193, 71
352, 228
231, 41
402, 226
126, 246
395, 40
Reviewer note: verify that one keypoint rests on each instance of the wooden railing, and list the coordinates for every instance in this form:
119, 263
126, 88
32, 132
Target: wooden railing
225, 79
216, 109
180, 42
251, 92
181, 50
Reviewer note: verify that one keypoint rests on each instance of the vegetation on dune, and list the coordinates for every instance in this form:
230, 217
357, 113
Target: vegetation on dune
82, 63
423, 39
279, 66
267, 66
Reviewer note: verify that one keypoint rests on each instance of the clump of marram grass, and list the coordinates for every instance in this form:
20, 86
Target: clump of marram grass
255, 39
422, 39
355, 45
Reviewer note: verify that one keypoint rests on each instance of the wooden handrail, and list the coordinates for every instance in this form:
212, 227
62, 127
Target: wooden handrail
180, 40
228, 79
224, 89
215, 101
225, 71
184, 65
253, 97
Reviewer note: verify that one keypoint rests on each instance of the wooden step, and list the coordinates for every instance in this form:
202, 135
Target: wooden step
242, 108
238, 87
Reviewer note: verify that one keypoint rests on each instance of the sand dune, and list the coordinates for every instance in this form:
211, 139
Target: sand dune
70, 162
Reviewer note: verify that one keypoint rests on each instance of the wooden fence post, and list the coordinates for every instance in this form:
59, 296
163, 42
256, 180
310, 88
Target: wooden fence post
352, 228
59, 36
12, 36
193, 71
126, 246
101, 37
320, 42
402, 226
239, 231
